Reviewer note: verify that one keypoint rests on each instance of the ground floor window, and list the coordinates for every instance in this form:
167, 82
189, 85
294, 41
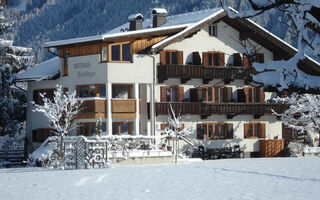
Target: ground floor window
254, 130
41, 134
122, 128
214, 131
89, 128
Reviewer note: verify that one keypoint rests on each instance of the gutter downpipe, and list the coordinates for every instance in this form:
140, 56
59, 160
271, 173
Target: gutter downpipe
152, 96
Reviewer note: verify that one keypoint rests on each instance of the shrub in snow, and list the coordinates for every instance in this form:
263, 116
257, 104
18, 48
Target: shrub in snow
296, 149
60, 112
44, 156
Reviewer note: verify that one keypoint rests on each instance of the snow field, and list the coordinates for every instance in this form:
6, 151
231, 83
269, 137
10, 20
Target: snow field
273, 178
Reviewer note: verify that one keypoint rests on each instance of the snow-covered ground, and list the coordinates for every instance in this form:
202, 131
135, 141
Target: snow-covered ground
273, 178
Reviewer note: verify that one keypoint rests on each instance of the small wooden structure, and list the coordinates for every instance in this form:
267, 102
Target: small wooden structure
271, 148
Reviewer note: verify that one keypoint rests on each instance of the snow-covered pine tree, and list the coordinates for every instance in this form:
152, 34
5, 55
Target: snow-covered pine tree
12, 100
60, 112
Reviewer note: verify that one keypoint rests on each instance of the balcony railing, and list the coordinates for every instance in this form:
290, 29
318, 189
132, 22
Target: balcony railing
124, 108
229, 109
93, 109
187, 72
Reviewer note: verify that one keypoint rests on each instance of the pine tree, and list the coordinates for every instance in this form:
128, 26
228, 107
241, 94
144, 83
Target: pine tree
12, 100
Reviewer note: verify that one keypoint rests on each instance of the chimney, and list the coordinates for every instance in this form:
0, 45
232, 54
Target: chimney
159, 16
135, 22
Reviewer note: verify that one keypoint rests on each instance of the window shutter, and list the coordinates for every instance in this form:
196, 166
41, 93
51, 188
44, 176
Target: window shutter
246, 130
199, 132
241, 95
181, 128
221, 59
259, 57
179, 57
229, 131
237, 61
130, 128
163, 93
246, 94
180, 94
205, 58
193, 95
246, 62
196, 59
163, 58
229, 94
262, 96
262, 130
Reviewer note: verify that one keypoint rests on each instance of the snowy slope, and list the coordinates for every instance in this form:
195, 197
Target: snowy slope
278, 178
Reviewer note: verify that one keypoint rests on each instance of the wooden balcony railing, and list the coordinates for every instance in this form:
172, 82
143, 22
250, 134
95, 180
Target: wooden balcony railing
124, 108
229, 109
187, 72
92, 109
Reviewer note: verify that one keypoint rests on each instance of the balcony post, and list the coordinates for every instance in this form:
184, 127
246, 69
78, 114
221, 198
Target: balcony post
137, 120
152, 113
109, 111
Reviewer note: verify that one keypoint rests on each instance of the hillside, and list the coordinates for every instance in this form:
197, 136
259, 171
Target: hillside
48, 20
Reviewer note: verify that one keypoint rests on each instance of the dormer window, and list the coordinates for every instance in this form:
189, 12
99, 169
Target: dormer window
120, 52
213, 30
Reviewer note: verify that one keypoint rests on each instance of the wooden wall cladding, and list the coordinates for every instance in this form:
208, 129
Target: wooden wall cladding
144, 43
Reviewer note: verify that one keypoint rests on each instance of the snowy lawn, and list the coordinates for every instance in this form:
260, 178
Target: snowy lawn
275, 178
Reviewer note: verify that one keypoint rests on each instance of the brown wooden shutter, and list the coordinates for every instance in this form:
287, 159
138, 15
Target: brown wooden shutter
196, 59
229, 94
241, 95
180, 94
246, 62
262, 96
205, 58
180, 57
237, 60
262, 130
193, 95
130, 128
199, 131
229, 131
163, 58
260, 57
181, 128
246, 93
246, 130
221, 59
163, 93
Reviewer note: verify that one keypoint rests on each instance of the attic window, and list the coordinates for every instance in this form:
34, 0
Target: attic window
213, 30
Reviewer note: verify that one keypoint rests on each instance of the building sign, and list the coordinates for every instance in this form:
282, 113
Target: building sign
84, 73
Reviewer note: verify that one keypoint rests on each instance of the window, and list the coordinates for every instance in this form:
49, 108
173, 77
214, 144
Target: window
254, 130
104, 54
172, 93
122, 128
122, 91
216, 94
213, 59
98, 90
89, 128
214, 131
66, 60
120, 52
49, 93
213, 30
253, 94
41, 134
171, 57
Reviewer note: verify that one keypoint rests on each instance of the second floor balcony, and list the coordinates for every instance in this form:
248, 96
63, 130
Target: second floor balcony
187, 72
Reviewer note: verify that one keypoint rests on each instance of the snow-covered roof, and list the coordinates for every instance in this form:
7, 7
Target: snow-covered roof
172, 22
43, 71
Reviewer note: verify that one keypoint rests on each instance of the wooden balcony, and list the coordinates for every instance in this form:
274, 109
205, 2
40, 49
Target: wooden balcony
229, 109
187, 72
91, 109
124, 108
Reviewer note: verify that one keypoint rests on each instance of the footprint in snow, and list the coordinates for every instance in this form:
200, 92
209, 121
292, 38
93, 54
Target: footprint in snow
82, 181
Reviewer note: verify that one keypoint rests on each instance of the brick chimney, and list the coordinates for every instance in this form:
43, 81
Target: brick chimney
159, 16
135, 22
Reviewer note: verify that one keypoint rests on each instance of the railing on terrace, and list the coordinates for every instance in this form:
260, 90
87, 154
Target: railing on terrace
186, 72
230, 109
